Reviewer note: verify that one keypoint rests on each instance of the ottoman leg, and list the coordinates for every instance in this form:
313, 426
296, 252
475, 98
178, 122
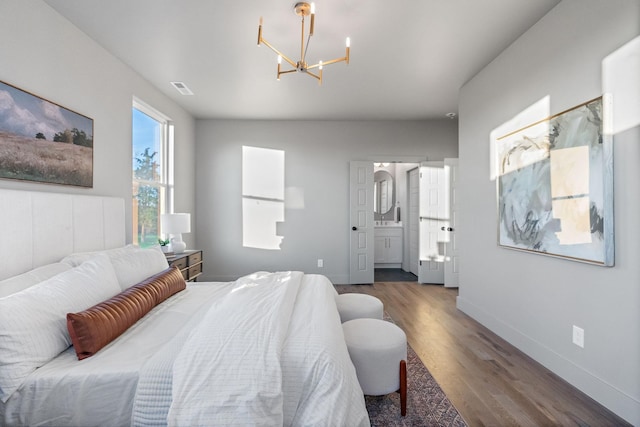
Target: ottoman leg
403, 388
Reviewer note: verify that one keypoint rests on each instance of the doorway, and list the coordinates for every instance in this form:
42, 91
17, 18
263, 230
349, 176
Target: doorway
389, 260
392, 231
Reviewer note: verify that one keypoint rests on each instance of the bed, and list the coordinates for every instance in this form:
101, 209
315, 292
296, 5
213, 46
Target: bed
266, 349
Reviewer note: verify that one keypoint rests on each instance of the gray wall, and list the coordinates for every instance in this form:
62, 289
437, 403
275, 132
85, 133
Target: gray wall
317, 156
44, 54
533, 300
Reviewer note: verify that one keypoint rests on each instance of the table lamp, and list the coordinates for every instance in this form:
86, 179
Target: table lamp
175, 224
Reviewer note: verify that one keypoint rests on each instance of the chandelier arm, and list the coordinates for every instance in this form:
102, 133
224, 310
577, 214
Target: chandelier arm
285, 57
284, 72
333, 61
316, 76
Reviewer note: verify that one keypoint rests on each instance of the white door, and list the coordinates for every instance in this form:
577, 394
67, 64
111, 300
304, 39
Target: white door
452, 261
414, 219
361, 225
433, 217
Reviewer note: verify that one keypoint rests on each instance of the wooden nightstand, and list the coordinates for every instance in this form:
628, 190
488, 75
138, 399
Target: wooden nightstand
189, 263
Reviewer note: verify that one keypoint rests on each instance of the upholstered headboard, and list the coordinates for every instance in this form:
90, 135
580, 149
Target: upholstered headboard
40, 228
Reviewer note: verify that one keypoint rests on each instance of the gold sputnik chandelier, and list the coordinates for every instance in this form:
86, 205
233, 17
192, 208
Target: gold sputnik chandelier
303, 10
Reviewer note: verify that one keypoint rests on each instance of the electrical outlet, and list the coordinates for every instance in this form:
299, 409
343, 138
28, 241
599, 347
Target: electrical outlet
320, 263
578, 336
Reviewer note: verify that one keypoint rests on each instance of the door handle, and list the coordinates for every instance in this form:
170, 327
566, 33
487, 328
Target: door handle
443, 228
354, 228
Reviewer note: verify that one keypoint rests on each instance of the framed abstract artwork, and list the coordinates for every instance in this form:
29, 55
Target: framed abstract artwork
555, 186
42, 141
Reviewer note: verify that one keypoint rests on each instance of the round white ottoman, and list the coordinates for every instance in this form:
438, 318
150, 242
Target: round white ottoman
378, 350
356, 306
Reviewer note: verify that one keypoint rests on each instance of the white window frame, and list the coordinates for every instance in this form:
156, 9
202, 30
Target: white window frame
166, 183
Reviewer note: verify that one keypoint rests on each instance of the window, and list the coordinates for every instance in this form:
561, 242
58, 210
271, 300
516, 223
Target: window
152, 165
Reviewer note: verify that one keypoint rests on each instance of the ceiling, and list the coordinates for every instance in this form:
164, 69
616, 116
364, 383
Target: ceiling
409, 58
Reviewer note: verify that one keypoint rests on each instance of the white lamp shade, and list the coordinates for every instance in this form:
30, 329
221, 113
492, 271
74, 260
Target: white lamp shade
175, 223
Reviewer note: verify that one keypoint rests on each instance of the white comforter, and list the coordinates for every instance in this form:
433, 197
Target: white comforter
270, 352
133, 374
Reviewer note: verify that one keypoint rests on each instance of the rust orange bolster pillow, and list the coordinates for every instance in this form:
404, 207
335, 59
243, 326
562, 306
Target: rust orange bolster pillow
95, 327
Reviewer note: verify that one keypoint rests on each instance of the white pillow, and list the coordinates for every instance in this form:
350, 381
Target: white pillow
33, 324
18, 283
131, 263
78, 258
134, 267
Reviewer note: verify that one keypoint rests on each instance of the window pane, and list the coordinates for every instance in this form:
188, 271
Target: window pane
147, 203
147, 147
150, 185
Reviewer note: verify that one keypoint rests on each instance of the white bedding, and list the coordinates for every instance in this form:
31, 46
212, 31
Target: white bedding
229, 370
318, 386
99, 390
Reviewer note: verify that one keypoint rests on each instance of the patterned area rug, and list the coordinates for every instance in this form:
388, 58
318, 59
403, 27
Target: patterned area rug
427, 405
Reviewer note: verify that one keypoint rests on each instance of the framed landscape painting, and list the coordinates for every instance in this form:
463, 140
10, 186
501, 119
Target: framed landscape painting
42, 141
555, 186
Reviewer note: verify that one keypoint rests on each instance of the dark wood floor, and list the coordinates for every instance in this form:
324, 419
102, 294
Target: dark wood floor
489, 381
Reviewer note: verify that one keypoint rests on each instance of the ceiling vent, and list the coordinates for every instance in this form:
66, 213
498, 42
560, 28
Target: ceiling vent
182, 88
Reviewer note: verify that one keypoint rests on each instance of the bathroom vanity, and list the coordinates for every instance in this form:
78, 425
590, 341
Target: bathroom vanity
388, 245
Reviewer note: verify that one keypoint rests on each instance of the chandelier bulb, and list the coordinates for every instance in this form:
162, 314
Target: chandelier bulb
320, 65
313, 19
279, 59
348, 42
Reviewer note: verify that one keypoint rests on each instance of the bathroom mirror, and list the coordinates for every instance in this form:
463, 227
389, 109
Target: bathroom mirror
383, 194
